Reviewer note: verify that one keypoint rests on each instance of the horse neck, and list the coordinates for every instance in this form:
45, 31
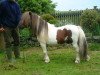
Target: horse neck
37, 24
33, 26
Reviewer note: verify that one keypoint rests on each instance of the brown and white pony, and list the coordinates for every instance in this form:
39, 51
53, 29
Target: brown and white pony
47, 33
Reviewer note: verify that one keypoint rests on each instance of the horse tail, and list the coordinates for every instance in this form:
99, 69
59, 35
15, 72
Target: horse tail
82, 42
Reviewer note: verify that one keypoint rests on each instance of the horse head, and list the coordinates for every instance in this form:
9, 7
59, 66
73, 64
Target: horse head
25, 19
33, 21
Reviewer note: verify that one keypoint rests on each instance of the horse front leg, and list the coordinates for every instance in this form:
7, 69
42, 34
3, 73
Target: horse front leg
77, 53
46, 57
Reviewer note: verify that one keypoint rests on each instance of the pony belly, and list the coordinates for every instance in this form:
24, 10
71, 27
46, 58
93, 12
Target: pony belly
51, 41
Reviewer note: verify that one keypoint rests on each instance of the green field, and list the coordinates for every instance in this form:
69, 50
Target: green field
62, 63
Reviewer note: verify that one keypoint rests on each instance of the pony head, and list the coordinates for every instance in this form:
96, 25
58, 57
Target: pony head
34, 22
25, 19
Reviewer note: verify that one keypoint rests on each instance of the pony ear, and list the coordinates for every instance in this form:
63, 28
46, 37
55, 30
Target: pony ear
30, 13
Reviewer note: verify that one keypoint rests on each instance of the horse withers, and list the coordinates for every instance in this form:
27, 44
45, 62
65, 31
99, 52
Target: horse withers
47, 33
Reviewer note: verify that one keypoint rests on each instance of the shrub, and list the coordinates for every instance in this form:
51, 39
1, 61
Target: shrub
49, 18
90, 21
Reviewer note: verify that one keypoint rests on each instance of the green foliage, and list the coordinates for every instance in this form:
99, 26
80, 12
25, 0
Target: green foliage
49, 18
27, 40
24, 32
24, 35
98, 24
37, 6
90, 21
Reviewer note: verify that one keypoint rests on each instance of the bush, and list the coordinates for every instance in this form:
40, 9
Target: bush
49, 18
27, 39
90, 21
24, 35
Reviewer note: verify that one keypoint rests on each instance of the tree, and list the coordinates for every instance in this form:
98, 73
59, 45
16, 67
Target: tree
37, 6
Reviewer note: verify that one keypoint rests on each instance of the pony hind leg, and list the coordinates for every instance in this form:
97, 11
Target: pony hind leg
77, 53
46, 57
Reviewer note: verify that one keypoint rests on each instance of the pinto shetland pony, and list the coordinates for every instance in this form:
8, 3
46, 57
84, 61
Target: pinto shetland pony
47, 33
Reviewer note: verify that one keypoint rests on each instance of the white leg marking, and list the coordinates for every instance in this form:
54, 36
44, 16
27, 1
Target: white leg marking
88, 58
77, 53
46, 57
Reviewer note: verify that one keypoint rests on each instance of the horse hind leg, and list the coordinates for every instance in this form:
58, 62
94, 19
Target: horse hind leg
77, 53
46, 57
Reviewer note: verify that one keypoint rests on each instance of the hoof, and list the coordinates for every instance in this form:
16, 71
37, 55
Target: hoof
47, 61
77, 61
88, 58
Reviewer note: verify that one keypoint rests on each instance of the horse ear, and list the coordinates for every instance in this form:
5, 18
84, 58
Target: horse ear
30, 13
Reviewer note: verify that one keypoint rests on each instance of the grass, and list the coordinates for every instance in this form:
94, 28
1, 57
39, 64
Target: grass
62, 63
94, 46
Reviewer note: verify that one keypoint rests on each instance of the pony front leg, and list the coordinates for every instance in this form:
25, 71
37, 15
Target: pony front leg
88, 58
77, 53
46, 57
77, 58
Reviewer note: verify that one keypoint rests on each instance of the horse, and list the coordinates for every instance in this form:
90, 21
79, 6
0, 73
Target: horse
47, 33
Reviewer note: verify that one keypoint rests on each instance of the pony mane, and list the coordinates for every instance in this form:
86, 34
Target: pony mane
38, 25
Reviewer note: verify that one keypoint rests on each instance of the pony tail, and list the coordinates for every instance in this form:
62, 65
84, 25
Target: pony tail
82, 43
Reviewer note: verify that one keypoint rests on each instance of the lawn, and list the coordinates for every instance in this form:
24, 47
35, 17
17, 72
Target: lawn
62, 63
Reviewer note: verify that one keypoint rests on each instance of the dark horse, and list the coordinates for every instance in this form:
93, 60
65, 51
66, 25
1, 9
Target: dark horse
47, 33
